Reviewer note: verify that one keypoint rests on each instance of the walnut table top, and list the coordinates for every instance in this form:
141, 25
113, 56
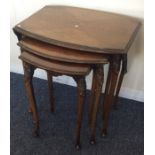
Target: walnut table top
81, 29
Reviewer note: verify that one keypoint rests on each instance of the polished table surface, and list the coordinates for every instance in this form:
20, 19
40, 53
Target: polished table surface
82, 29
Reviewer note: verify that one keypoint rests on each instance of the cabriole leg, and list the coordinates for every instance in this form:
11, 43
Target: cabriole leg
109, 94
28, 75
81, 85
92, 96
120, 80
99, 82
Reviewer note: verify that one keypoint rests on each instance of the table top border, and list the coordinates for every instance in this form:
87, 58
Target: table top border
78, 46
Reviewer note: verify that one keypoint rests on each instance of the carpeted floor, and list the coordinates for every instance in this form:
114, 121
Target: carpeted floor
58, 130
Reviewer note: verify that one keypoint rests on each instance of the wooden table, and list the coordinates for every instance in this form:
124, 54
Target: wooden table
88, 31
58, 61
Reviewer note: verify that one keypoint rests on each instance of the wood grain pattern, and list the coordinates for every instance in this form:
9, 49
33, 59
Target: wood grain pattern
62, 54
81, 29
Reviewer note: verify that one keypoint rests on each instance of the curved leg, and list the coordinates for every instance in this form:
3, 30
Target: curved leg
123, 71
108, 101
106, 93
92, 96
50, 90
81, 85
99, 78
28, 75
120, 80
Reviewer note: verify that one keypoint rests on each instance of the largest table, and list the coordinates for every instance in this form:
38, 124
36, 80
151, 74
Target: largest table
90, 31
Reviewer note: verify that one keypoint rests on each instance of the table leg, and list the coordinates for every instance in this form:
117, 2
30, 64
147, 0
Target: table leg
99, 82
28, 75
123, 71
51, 92
92, 96
108, 82
109, 93
81, 85
120, 80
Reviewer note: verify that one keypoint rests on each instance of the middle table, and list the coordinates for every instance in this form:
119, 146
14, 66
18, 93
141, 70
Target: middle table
48, 52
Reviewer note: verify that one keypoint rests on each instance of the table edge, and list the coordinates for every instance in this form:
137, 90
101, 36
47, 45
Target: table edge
67, 45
